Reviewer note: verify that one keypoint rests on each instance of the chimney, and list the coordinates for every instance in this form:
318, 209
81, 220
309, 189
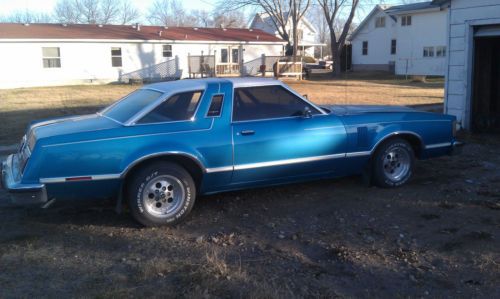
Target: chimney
258, 37
138, 26
160, 33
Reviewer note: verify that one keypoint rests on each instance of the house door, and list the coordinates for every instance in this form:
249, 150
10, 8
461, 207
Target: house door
229, 61
486, 81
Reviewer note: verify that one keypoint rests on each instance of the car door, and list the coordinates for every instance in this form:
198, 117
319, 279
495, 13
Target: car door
277, 134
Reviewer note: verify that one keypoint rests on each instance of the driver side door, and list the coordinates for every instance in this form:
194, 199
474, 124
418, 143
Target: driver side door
274, 139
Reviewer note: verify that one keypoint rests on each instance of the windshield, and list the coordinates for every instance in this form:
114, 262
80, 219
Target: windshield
124, 109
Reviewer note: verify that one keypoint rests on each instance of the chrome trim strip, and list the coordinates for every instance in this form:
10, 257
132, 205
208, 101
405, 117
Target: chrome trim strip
129, 136
438, 145
99, 177
396, 134
358, 154
323, 128
287, 162
190, 156
219, 169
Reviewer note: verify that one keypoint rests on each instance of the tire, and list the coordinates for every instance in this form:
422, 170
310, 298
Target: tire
393, 163
161, 193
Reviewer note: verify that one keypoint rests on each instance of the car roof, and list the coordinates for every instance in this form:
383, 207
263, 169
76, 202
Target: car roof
202, 83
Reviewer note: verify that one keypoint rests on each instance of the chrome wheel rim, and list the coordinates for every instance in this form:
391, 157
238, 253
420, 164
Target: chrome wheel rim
396, 164
163, 196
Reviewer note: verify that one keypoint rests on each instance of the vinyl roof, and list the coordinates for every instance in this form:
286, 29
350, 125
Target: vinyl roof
128, 32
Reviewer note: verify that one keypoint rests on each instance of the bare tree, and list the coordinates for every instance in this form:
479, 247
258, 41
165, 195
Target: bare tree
332, 10
203, 18
129, 13
25, 17
95, 11
229, 19
282, 13
65, 12
277, 10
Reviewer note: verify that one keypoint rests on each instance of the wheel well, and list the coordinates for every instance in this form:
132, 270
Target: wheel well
415, 142
191, 166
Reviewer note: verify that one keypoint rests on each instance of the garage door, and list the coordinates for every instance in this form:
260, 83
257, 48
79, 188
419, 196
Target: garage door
487, 31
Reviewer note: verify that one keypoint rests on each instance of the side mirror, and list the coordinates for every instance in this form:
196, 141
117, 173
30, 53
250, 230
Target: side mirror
305, 96
307, 113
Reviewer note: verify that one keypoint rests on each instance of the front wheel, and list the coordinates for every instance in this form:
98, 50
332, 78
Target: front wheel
393, 163
161, 193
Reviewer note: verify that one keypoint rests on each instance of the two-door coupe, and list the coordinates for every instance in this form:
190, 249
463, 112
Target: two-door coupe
164, 144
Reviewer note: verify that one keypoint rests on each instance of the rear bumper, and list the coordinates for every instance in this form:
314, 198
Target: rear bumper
456, 148
17, 192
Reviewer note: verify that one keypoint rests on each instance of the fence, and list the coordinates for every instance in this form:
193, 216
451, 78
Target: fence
203, 65
206, 66
168, 70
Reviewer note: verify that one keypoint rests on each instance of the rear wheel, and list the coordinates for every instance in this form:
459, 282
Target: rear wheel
161, 193
393, 163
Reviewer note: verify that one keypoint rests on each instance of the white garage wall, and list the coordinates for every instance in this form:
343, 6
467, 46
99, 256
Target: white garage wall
464, 16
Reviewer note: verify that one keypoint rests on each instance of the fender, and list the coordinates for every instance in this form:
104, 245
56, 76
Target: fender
157, 151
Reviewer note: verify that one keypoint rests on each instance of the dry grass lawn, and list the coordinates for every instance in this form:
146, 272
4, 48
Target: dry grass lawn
20, 106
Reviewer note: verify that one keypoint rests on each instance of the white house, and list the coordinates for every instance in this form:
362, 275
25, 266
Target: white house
473, 68
307, 33
64, 54
405, 39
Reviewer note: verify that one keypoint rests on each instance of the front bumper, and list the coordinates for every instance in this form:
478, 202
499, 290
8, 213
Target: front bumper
456, 148
17, 192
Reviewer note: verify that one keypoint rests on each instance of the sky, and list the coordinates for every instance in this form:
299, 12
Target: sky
9, 6
46, 6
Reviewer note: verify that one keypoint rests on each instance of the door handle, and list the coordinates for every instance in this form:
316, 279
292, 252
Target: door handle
247, 132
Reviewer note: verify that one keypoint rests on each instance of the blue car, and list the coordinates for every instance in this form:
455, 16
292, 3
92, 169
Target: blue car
164, 144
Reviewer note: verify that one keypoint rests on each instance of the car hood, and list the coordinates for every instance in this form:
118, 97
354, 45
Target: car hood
364, 109
70, 125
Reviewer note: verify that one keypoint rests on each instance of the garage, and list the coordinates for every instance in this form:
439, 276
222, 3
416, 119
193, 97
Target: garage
485, 99
473, 72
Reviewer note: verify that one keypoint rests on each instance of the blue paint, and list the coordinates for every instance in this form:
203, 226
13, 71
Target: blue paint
277, 152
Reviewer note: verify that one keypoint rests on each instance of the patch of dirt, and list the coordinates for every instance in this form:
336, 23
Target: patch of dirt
437, 237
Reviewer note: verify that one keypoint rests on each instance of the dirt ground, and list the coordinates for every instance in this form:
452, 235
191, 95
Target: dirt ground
20, 106
437, 237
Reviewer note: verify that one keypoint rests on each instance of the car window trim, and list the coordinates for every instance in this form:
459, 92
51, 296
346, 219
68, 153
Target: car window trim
322, 113
221, 106
155, 104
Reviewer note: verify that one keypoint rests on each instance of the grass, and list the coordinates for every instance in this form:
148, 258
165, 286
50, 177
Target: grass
18, 107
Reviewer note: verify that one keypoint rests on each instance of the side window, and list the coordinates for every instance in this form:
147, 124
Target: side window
51, 57
116, 57
215, 109
265, 102
181, 106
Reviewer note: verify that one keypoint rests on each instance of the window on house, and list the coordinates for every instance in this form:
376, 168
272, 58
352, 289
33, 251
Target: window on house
380, 22
223, 56
167, 50
300, 34
116, 57
365, 48
51, 57
235, 55
179, 107
441, 51
406, 21
428, 51
394, 46
215, 106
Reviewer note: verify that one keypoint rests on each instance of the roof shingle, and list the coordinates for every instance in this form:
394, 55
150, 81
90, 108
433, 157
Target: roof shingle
127, 32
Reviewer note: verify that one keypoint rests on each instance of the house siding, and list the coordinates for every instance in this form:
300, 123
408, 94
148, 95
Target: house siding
90, 62
408, 59
464, 16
